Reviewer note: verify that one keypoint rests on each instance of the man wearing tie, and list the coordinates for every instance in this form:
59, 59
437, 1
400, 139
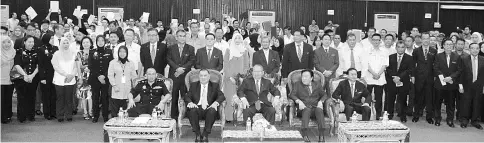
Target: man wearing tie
424, 79
209, 57
153, 54
310, 96
297, 55
58, 34
326, 60
350, 56
472, 82
268, 58
351, 91
398, 81
203, 100
181, 58
253, 94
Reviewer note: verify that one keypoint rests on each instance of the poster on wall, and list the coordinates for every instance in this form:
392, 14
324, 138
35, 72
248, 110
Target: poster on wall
5, 14
262, 16
112, 12
388, 22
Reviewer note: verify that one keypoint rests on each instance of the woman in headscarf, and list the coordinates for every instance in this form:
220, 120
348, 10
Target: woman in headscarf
98, 65
83, 88
121, 73
46, 73
476, 38
7, 62
228, 36
17, 33
236, 61
278, 45
64, 63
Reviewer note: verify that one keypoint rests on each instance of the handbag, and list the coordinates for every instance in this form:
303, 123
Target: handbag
15, 75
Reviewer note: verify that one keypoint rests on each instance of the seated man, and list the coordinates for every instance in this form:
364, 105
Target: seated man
351, 91
203, 98
310, 96
253, 94
153, 92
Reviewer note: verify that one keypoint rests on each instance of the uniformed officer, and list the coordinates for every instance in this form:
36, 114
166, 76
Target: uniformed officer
99, 63
153, 92
46, 74
26, 62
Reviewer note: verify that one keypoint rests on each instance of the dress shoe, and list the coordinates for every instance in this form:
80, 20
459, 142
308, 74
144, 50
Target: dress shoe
477, 125
74, 112
60, 120
463, 125
21, 121
430, 120
197, 138
321, 139
94, 120
437, 123
204, 138
48, 118
38, 112
306, 139
53, 117
415, 119
451, 124
69, 119
32, 119
403, 119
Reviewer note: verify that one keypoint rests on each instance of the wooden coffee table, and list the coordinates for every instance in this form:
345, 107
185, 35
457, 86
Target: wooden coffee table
372, 131
154, 129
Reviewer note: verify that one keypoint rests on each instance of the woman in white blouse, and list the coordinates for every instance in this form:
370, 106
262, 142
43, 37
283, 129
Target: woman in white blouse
65, 69
121, 73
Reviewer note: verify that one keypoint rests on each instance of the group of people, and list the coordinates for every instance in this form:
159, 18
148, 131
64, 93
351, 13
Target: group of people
113, 65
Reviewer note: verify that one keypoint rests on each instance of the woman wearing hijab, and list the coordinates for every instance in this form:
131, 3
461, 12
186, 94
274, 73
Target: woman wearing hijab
64, 63
476, 38
26, 62
236, 61
98, 64
278, 45
121, 73
83, 69
229, 34
46, 74
7, 62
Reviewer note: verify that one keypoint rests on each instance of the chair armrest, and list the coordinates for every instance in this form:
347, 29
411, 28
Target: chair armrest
221, 112
181, 111
168, 108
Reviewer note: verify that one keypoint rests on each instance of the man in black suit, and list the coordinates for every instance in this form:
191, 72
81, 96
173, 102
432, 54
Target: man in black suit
459, 50
309, 96
209, 57
447, 68
253, 93
44, 28
203, 98
351, 91
98, 64
269, 59
153, 54
297, 55
181, 58
471, 84
30, 30
424, 79
398, 81
113, 28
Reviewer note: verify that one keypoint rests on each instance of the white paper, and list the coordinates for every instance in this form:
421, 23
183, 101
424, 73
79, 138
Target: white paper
77, 12
54, 6
441, 78
83, 11
110, 16
330, 12
69, 21
78, 7
145, 17
90, 19
31, 12
196, 11
141, 120
428, 15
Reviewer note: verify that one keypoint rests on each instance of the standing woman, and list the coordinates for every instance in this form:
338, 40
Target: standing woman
7, 62
317, 42
26, 62
121, 73
64, 80
98, 64
46, 74
236, 61
278, 45
82, 64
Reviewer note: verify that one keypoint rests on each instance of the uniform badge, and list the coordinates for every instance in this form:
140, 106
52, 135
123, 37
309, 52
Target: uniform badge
157, 87
144, 86
25, 53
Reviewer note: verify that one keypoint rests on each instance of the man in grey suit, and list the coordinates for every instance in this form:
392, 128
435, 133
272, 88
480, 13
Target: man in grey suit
326, 60
269, 59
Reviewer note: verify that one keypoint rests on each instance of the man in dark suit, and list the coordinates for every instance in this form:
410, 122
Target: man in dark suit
398, 81
44, 28
209, 57
203, 100
297, 55
326, 60
424, 79
269, 59
459, 50
447, 68
309, 96
30, 30
153, 54
181, 58
351, 91
113, 28
471, 84
253, 93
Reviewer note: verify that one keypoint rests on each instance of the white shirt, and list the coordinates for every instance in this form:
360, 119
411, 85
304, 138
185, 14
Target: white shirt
12, 23
74, 46
352, 86
266, 54
57, 40
203, 94
345, 58
475, 70
67, 67
288, 40
375, 59
341, 45
135, 29
133, 53
222, 46
391, 50
409, 52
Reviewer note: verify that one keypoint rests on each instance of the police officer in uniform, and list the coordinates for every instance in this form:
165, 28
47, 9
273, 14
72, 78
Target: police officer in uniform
98, 63
153, 92
26, 62
46, 74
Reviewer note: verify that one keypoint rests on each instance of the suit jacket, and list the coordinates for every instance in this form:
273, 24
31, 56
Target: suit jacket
301, 92
424, 67
120, 33
186, 60
466, 77
160, 59
248, 90
274, 62
216, 61
326, 61
290, 61
343, 92
213, 94
47, 32
98, 64
46, 71
453, 70
404, 72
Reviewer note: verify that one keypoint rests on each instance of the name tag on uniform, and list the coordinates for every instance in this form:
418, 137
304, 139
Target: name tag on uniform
123, 79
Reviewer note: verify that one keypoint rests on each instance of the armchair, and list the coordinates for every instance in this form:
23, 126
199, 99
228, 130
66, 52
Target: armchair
169, 84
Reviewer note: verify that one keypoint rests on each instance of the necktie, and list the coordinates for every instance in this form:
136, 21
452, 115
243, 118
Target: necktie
180, 50
425, 53
299, 52
204, 97
474, 69
258, 102
352, 59
448, 61
309, 90
398, 62
59, 42
209, 54
326, 50
352, 90
153, 53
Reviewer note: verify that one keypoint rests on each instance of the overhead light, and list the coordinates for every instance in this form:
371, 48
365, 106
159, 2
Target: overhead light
462, 7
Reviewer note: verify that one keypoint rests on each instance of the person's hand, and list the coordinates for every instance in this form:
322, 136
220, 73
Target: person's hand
214, 105
245, 103
161, 106
327, 73
447, 79
192, 105
59, 12
320, 104
233, 80
116, 88
301, 105
276, 100
131, 103
43, 81
69, 78
101, 79
461, 90
412, 79
178, 73
376, 77
81, 81
50, 10
26, 78
366, 104
180, 69
396, 79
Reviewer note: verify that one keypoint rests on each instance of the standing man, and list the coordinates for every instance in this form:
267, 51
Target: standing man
181, 58
209, 57
424, 79
153, 54
194, 39
472, 82
366, 43
409, 48
268, 58
288, 38
351, 56
220, 43
297, 55
326, 61
459, 50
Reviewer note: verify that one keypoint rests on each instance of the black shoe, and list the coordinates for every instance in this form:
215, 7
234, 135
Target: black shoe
415, 119
21, 121
403, 119
53, 117
32, 119
451, 124
306, 139
204, 138
69, 119
409, 114
437, 123
321, 139
48, 118
477, 125
94, 120
60, 120
38, 112
198, 138
430, 120
463, 125
74, 112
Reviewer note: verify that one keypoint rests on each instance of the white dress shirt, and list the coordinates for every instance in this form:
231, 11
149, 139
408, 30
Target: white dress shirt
266, 54
203, 95
391, 50
375, 59
345, 58
288, 40
222, 46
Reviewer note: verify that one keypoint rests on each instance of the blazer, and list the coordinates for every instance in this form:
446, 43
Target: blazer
404, 72
46, 71
453, 70
300, 92
160, 59
466, 77
120, 34
290, 61
98, 63
343, 92
424, 67
216, 60
326, 61
213, 94
248, 90
186, 60
274, 62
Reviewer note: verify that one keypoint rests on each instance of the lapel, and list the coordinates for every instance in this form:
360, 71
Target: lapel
158, 44
313, 87
394, 60
326, 55
209, 91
